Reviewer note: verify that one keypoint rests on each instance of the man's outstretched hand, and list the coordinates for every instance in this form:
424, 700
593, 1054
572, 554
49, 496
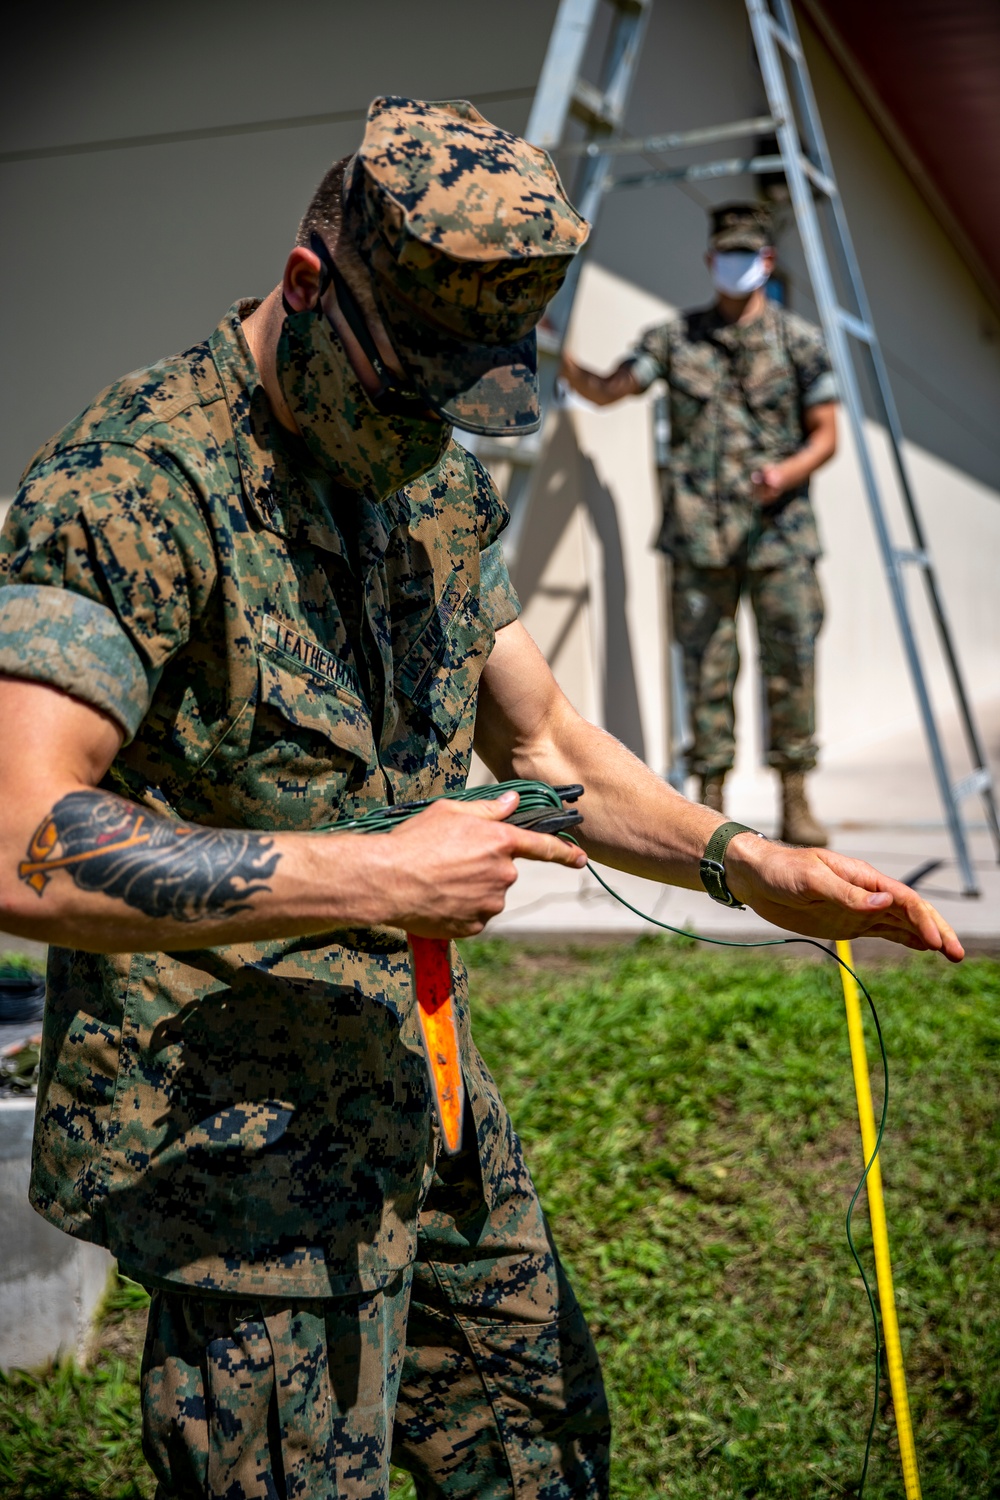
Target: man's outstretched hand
827, 895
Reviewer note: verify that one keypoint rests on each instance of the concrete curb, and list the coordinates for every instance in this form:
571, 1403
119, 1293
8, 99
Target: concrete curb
50, 1284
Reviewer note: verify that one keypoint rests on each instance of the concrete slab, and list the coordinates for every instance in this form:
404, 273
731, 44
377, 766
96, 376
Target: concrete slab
50, 1284
881, 804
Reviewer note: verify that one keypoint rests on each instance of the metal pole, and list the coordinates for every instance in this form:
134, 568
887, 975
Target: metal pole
880, 1230
816, 142
560, 70
767, 33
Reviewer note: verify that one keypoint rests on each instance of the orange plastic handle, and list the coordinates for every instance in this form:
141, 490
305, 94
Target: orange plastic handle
432, 984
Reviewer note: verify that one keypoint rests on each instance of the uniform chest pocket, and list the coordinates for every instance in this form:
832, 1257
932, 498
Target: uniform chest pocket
440, 672
693, 382
310, 743
772, 390
694, 375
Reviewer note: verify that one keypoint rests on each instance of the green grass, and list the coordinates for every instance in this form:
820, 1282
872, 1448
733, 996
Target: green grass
691, 1125
72, 1434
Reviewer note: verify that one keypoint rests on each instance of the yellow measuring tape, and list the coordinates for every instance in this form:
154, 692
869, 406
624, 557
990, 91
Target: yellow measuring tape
880, 1233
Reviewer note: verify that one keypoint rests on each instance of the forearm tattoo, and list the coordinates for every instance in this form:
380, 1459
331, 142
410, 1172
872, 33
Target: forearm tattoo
163, 869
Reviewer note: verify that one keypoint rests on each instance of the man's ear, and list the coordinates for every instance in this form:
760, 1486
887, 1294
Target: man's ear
302, 280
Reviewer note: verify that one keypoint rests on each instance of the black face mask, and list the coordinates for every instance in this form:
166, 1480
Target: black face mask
374, 444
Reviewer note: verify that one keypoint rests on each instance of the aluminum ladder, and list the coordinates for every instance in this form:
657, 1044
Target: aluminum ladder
563, 93
802, 156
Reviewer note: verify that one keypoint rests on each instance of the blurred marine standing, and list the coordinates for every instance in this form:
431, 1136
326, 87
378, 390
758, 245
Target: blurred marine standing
752, 415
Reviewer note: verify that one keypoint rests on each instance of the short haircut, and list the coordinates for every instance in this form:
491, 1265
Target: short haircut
325, 216
325, 212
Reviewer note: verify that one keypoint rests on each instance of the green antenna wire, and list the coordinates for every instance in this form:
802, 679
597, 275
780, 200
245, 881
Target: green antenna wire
829, 953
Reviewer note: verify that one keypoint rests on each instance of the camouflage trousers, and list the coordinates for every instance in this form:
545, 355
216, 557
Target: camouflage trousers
474, 1370
788, 608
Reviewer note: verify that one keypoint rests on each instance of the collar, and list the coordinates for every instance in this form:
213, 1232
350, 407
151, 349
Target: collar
371, 523
760, 334
265, 467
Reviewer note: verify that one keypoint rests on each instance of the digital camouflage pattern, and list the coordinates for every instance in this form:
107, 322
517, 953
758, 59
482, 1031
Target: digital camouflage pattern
740, 226
254, 1399
251, 1120
788, 608
468, 234
474, 1371
493, 1314
736, 398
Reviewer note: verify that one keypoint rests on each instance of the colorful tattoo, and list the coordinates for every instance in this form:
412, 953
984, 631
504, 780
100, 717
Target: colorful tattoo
163, 869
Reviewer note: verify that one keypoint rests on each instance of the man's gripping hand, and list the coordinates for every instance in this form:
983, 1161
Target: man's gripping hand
827, 895
769, 483
446, 871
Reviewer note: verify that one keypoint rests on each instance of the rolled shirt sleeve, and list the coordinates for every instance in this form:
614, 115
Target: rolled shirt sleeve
66, 640
650, 357
822, 389
105, 559
813, 371
497, 595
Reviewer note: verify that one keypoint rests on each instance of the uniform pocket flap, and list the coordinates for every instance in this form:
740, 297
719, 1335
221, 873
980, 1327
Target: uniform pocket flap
313, 702
770, 388
441, 671
694, 376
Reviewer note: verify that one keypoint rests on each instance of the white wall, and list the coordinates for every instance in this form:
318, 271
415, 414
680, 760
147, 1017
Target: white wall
151, 170
942, 342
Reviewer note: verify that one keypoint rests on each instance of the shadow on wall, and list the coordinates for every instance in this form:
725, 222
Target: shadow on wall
567, 479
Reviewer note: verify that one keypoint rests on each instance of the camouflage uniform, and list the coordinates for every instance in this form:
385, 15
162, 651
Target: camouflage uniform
249, 1128
736, 396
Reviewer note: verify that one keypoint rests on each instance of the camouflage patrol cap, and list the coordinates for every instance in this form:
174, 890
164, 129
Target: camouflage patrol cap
467, 234
740, 226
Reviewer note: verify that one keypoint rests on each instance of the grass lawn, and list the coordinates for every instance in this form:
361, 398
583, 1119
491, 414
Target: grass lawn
690, 1121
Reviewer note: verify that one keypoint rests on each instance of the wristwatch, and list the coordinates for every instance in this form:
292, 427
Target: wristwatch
713, 871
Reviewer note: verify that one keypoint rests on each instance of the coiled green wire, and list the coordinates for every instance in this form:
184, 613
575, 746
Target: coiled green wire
538, 797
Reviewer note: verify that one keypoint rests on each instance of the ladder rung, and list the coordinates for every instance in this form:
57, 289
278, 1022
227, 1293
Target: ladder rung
734, 166
784, 40
671, 141
592, 107
979, 780
855, 325
914, 555
817, 178
549, 341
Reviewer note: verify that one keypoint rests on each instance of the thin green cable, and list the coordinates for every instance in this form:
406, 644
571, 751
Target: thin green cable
539, 797
536, 797
813, 943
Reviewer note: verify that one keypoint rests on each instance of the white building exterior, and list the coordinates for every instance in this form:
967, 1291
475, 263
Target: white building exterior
154, 163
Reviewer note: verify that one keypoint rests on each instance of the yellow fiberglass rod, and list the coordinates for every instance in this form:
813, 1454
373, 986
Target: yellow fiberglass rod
880, 1233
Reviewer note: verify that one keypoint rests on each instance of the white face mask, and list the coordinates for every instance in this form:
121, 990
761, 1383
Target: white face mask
737, 273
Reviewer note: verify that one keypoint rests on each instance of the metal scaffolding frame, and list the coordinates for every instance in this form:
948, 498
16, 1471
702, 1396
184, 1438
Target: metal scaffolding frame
804, 160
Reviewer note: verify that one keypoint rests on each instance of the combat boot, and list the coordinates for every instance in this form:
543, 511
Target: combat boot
711, 790
798, 823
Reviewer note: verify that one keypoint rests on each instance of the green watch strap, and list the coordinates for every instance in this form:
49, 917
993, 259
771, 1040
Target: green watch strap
713, 871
